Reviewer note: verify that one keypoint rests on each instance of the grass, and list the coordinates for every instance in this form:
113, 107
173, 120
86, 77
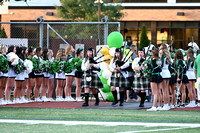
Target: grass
107, 115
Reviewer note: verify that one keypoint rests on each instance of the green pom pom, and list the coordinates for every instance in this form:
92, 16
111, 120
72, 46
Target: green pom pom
68, 67
19, 68
109, 96
4, 67
103, 80
78, 65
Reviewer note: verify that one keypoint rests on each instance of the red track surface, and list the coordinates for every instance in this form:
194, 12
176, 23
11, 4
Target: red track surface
53, 104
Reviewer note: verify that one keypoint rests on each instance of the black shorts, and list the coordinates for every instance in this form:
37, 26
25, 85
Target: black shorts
31, 75
78, 74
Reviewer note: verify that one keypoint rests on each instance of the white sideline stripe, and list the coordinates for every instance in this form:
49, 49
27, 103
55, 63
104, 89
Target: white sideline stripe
100, 123
155, 130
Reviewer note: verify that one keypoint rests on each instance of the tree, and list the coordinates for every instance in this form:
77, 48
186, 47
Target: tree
3, 34
144, 41
87, 10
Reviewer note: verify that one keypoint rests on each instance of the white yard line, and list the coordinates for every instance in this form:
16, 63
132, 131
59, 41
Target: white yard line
189, 125
155, 130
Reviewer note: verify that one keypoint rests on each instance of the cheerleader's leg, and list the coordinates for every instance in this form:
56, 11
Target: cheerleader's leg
172, 91
50, 88
95, 93
29, 88
78, 87
38, 82
183, 94
9, 86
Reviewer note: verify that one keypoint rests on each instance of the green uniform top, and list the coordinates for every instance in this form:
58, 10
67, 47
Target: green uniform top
197, 65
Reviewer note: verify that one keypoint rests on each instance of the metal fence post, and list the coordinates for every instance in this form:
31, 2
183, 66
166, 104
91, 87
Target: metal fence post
105, 33
118, 26
41, 35
47, 35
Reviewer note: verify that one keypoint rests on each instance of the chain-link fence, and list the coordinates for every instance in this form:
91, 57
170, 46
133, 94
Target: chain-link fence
54, 35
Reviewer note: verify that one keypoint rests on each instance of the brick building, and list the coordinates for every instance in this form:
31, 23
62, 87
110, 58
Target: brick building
163, 18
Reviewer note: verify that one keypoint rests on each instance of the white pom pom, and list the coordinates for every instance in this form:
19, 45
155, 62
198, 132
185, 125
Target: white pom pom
108, 82
29, 65
15, 62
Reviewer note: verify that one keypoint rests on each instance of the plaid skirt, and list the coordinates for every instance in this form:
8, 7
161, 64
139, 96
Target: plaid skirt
94, 83
120, 81
141, 83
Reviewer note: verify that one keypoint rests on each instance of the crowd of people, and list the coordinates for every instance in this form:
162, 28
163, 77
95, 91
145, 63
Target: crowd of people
167, 72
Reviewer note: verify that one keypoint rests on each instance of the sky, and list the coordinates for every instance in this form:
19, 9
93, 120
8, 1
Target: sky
35, 3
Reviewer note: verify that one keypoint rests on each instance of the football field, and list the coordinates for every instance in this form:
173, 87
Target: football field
49, 120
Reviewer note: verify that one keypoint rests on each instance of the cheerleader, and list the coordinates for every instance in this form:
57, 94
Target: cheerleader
69, 76
51, 77
181, 77
172, 84
156, 78
119, 77
4, 77
11, 74
20, 78
38, 76
60, 76
31, 76
90, 79
191, 77
140, 83
165, 59
78, 77
45, 79
24, 57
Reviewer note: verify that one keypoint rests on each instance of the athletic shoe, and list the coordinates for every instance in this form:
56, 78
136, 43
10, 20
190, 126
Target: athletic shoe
30, 101
198, 104
141, 105
152, 109
172, 106
23, 100
60, 99
9, 102
79, 99
51, 100
165, 108
159, 108
3, 102
190, 106
17, 101
182, 106
129, 100
115, 102
71, 99
38, 100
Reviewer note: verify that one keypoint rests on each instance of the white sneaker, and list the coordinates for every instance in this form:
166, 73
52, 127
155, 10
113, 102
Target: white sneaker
38, 100
3, 102
79, 99
17, 101
152, 109
45, 99
30, 101
165, 108
60, 99
9, 102
159, 108
51, 100
172, 106
198, 104
69, 99
23, 100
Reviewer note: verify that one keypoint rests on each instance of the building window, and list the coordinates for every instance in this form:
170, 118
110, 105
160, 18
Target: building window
187, 1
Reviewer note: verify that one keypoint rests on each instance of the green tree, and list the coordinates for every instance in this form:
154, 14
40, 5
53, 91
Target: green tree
87, 10
144, 41
3, 34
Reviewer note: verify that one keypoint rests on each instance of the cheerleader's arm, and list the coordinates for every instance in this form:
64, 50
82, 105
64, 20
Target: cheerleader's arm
96, 66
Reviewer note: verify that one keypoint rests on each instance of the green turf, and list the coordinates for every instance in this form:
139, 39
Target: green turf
93, 115
99, 115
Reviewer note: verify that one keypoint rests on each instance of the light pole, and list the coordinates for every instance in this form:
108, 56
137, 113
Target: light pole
99, 16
